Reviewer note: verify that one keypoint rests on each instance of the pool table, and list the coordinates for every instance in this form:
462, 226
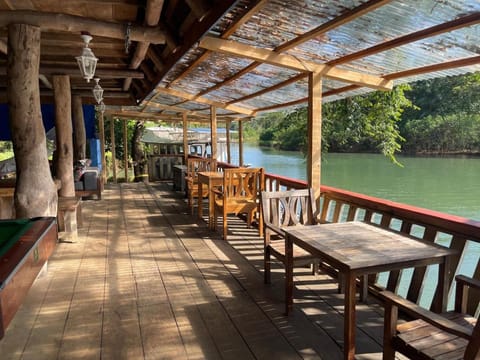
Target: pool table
25, 246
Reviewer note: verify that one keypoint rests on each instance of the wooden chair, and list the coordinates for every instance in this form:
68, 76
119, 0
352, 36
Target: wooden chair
282, 209
195, 165
451, 335
239, 194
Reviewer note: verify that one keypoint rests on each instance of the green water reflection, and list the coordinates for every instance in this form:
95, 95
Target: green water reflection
446, 184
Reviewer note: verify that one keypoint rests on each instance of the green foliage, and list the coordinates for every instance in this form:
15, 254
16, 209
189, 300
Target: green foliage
443, 134
119, 137
6, 150
359, 123
437, 115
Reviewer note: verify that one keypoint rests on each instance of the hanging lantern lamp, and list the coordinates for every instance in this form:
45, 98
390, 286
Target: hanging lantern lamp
97, 91
87, 62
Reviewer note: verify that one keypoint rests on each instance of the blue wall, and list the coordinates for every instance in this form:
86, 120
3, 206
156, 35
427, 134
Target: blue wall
48, 117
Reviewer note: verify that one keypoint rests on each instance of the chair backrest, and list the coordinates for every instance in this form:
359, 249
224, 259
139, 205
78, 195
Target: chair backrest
243, 183
195, 165
288, 208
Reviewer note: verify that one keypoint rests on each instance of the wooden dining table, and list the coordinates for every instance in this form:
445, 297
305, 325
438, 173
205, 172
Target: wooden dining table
357, 249
210, 179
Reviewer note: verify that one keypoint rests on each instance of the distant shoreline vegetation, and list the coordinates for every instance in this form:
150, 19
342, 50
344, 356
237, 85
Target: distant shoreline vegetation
432, 117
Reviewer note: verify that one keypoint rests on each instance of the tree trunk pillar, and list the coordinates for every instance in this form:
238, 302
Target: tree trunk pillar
80, 139
63, 127
35, 191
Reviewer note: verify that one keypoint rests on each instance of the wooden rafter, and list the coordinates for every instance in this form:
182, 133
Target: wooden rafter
195, 32
398, 75
270, 89
71, 23
456, 24
202, 100
74, 72
291, 62
254, 8
152, 17
340, 20
346, 17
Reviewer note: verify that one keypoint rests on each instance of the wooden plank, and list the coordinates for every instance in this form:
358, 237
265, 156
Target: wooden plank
202, 100
293, 63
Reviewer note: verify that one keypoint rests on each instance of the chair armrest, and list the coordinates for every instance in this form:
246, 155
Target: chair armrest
217, 191
275, 229
426, 315
465, 280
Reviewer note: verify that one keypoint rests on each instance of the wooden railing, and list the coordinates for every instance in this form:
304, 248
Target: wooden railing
419, 284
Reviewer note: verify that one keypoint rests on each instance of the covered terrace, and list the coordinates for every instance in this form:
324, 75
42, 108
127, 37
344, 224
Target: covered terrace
162, 284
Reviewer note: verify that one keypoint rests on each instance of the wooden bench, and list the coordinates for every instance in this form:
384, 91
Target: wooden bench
66, 207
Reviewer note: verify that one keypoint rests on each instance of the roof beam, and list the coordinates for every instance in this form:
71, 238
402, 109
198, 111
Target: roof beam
270, 89
152, 17
346, 17
195, 32
340, 20
456, 24
74, 72
71, 23
401, 74
291, 62
202, 100
233, 27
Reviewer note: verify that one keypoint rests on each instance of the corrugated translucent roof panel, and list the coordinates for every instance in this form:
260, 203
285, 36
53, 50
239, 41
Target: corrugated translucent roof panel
264, 76
280, 21
214, 70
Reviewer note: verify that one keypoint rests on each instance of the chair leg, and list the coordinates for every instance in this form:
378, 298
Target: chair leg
224, 226
266, 265
389, 330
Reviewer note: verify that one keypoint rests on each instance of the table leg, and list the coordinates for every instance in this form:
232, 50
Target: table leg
440, 299
288, 275
349, 316
200, 200
211, 209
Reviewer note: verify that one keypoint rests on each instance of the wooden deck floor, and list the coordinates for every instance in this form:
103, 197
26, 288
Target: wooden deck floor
146, 280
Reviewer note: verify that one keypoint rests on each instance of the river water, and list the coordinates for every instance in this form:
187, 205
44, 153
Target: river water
447, 184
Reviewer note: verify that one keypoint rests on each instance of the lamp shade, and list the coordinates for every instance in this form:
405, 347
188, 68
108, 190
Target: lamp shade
97, 91
87, 62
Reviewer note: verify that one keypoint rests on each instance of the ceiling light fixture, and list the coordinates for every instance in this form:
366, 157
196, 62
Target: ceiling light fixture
87, 62
97, 91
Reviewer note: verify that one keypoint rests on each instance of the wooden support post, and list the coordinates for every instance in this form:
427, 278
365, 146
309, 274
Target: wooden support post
185, 138
240, 143
229, 157
35, 191
80, 138
63, 129
112, 137
213, 130
125, 149
101, 131
314, 155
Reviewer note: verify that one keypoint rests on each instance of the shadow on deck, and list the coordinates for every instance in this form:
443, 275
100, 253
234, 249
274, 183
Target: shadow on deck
146, 280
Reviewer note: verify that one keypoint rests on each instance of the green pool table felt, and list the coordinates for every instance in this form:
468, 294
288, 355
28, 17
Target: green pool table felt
11, 231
